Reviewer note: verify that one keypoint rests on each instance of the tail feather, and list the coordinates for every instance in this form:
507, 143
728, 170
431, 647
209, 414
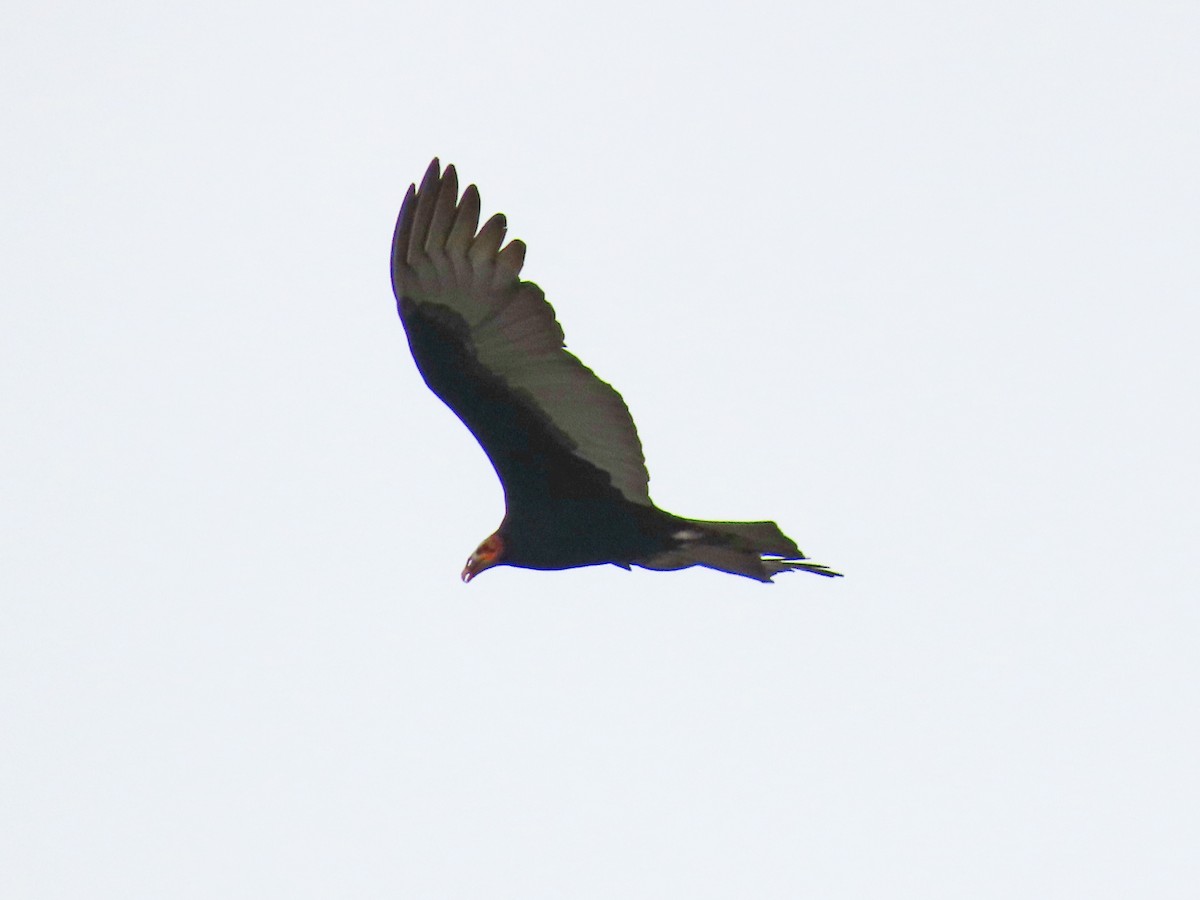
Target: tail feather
757, 550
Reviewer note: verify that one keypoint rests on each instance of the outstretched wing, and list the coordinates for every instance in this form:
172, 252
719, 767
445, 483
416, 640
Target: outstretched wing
489, 346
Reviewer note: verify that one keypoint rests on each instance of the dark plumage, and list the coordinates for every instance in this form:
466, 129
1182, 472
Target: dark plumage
561, 440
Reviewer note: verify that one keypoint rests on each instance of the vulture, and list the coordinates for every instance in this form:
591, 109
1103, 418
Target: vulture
561, 440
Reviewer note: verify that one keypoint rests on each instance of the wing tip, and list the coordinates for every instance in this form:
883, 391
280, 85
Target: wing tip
432, 174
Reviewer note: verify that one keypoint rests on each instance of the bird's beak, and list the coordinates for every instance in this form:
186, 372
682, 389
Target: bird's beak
484, 557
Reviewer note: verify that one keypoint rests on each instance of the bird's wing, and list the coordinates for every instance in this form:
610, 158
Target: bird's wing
488, 345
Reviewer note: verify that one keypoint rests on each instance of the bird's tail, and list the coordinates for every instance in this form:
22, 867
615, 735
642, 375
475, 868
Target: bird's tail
756, 550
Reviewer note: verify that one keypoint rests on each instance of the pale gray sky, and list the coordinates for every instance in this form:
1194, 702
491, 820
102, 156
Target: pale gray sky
918, 281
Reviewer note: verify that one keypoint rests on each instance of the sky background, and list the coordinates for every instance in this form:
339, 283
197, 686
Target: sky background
918, 281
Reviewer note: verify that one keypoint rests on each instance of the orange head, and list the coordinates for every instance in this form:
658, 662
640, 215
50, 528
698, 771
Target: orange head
486, 555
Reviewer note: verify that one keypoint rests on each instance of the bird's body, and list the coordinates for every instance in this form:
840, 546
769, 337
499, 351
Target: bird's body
561, 440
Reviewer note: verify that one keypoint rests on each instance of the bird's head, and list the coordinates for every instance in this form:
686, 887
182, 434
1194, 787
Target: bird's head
486, 555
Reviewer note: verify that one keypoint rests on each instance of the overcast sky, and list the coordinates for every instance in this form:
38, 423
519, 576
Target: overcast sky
918, 281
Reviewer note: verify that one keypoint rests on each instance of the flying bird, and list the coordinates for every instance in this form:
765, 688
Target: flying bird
562, 441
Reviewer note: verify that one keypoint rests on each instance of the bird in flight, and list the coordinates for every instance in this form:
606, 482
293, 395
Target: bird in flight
562, 441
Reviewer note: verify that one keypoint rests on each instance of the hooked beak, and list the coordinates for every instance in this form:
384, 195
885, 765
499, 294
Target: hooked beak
485, 556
